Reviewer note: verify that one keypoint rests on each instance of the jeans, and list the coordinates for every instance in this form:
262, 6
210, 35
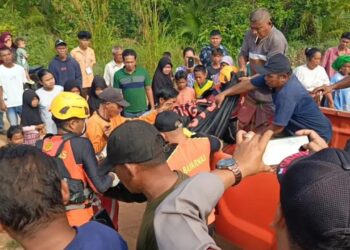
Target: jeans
12, 115
1, 120
134, 115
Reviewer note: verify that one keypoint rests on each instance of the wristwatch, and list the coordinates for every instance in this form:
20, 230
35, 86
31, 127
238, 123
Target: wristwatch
232, 165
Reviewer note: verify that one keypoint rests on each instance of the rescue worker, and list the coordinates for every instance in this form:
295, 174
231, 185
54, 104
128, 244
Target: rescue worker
80, 167
188, 153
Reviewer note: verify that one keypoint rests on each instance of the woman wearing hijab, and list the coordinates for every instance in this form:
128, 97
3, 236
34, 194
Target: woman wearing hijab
33, 126
97, 86
73, 86
6, 41
162, 76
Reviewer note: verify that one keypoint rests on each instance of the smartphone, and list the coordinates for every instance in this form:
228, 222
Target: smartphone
190, 62
278, 149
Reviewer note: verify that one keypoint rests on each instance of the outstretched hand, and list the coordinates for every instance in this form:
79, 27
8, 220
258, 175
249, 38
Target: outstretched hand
249, 152
219, 99
325, 89
316, 142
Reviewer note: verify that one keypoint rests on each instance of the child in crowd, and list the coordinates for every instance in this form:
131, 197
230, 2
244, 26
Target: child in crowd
227, 68
32, 125
214, 68
46, 94
341, 97
167, 97
15, 135
21, 53
186, 94
203, 87
73, 86
97, 86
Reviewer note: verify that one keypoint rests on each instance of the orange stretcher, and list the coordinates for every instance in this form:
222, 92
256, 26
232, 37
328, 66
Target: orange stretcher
245, 212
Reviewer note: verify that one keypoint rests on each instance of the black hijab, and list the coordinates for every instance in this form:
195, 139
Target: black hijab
94, 101
30, 116
161, 80
70, 84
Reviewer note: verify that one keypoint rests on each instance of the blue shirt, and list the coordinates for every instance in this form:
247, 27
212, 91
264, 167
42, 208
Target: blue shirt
94, 235
295, 109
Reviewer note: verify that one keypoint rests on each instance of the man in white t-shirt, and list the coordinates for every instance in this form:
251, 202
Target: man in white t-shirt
12, 78
114, 65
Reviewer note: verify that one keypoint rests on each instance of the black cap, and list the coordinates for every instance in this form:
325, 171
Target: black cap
133, 142
60, 42
168, 121
113, 95
84, 35
315, 201
276, 64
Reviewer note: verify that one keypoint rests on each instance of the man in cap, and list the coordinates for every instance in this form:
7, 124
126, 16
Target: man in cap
189, 155
314, 212
86, 59
108, 117
63, 66
135, 152
294, 108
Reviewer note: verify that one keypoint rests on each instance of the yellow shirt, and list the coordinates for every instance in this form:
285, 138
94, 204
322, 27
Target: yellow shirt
86, 59
199, 90
225, 73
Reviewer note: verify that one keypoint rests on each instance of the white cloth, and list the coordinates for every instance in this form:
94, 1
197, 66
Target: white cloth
46, 98
110, 70
11, 81
311, 79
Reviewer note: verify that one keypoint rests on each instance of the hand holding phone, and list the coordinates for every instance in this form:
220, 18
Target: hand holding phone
190, 62
278, 149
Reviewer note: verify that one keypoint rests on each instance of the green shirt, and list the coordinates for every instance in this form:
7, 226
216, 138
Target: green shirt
133, 86
147, 238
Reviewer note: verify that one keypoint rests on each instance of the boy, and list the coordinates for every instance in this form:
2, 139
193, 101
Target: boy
15, 135
214, 68
36, 218
186, 94
85, 56
203, 87
21, 53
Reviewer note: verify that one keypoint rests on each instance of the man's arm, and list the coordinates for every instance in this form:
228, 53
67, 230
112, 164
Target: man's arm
345, 83
242, 87
242, 62
78, 75
149, 94
2, 102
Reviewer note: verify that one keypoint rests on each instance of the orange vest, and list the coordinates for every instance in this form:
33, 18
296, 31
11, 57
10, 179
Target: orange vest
76, 217
191, 157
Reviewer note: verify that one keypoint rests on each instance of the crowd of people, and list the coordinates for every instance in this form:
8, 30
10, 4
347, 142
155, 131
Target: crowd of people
79, 142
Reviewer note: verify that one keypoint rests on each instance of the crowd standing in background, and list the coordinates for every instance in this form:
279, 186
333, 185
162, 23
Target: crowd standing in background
93, 140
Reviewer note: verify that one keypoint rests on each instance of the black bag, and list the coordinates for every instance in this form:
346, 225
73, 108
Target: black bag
102, 217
